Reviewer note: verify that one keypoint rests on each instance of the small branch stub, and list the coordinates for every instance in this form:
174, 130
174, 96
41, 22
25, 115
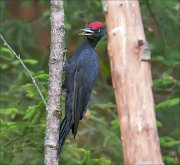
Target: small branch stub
145, 54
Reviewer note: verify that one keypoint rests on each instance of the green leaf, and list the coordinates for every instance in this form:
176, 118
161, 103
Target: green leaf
115, 126
168, 142
168, 160
30, 61
173, 143
67, 26
30, 90
31, 112
4, 123
46, 13
4, 66
165, 82
159, 58
11, 112
167, 138
159, 124
6, 51
42, 76
101, 161
168, 103
15, 62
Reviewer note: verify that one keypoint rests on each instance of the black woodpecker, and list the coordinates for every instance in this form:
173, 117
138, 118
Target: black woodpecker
80, 74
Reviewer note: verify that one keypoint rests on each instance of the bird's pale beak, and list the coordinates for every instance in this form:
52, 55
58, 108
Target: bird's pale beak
86, 32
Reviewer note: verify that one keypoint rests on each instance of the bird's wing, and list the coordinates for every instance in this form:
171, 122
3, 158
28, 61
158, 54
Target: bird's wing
81, 96
84, 78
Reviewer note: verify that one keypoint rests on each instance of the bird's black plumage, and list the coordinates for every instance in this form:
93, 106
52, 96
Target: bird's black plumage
80, 75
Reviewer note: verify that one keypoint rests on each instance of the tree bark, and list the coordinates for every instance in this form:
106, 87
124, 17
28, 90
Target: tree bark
132, 83
55, 73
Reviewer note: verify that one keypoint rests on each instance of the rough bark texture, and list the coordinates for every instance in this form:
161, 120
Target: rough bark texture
132, 83
55, 73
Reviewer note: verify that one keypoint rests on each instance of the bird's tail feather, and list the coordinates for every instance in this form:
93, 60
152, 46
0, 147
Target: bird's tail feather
64, 131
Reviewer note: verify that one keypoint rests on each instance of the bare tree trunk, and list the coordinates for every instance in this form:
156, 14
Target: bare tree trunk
132, 83
55, 73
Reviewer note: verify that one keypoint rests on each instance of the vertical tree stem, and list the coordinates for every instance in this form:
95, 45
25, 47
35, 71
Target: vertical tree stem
132, 83
55, 73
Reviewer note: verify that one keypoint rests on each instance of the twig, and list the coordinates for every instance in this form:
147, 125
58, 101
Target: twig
26, 69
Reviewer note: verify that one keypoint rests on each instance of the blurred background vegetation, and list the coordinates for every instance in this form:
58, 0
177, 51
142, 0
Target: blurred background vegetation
25, 25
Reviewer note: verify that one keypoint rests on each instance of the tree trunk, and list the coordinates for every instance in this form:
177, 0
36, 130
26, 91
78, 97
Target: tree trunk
55, 74
132, 83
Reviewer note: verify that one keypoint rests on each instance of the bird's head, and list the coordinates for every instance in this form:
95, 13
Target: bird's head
94, 31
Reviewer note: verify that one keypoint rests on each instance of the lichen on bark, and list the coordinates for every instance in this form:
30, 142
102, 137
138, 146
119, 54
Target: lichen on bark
56, 61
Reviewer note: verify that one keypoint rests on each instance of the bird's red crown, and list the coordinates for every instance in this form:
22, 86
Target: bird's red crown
96, 25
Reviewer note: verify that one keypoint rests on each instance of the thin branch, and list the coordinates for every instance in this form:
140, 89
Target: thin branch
26, 69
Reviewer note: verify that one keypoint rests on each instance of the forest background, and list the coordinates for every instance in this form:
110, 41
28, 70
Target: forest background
25, 25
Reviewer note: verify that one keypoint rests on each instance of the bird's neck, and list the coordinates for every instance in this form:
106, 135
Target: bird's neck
93, 42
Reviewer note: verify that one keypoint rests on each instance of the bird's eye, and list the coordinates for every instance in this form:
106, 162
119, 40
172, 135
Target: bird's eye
98, 30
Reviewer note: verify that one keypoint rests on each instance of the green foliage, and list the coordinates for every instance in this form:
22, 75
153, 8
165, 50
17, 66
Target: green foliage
168, 103
9, 112
81, 156
173, 149
22, 113
163, 18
